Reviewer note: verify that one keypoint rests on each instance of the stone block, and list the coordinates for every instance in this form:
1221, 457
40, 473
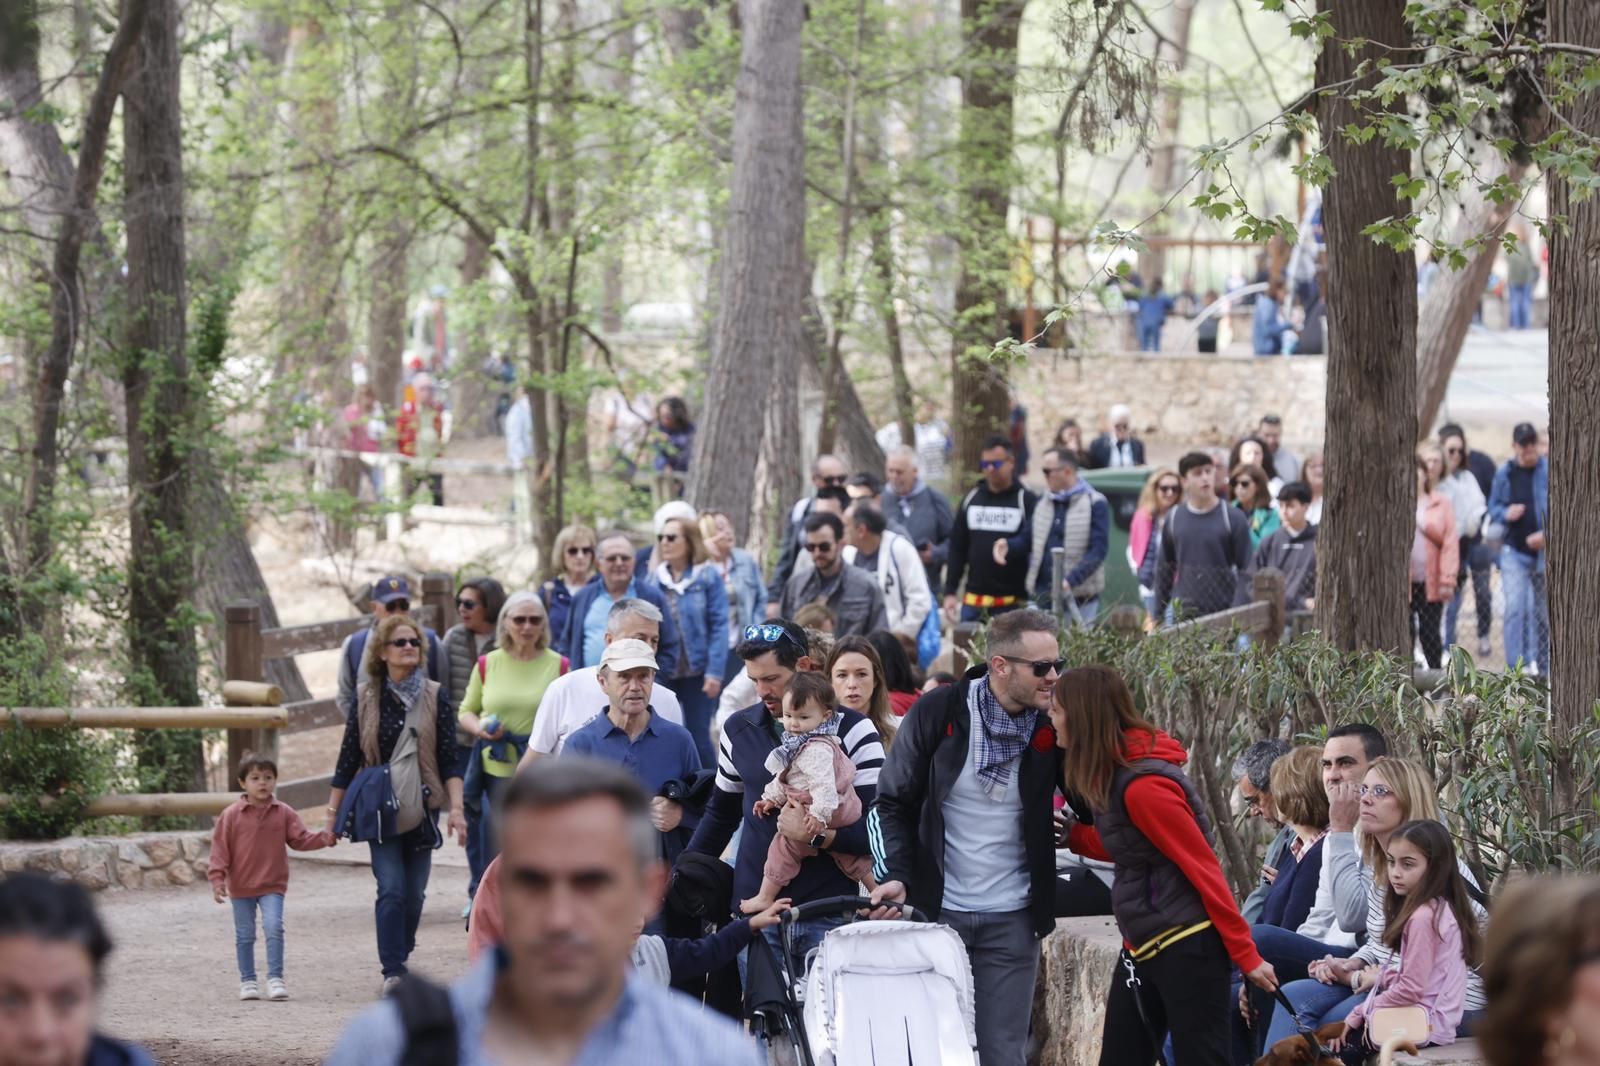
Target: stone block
11, 860
201, 867
162, 851
71, 858
128, 851
42, 860
95, 877
129, 875
180, 873
196, 845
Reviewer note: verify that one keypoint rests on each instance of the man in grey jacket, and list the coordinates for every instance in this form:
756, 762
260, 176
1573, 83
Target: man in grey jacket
921, 509
850, 592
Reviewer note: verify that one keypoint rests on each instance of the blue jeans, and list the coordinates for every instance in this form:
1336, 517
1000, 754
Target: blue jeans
1291, 956
807, 936
1316, 1004
1149, 337
1527, 616
698, 711
244, 933
1004, 955
488, 842
474, 799
1521, 305
401, 866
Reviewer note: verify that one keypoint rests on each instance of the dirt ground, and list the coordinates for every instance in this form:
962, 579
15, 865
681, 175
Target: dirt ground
172, 984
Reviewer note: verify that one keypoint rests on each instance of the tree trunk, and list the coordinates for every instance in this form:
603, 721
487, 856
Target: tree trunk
763, 264
78, 223
158, 387
1164, 160
1573, 582
905, 406
1447, 310
386, 309
1364, 546
980, 396
855, 441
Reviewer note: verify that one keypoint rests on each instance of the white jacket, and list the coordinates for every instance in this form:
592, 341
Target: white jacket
907, 599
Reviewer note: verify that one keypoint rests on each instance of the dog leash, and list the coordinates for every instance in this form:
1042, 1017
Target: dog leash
1134, 984
1309, 1035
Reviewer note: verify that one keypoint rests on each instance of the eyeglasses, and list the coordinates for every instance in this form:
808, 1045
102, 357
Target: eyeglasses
617, 559
406, 642
771, 633
668, 538
1253, 802
835, 479
528, 620
1172, 490
1041, 667
992, 464
1376, 791
397, 606
580, 549
1452, 451
465, 604
825, 546
1241, 482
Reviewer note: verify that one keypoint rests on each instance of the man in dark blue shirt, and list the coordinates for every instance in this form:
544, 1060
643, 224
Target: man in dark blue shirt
773, 653
1519, 502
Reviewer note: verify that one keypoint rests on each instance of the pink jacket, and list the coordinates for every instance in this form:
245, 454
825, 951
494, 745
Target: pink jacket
247, 847
1444, 550
1430, 973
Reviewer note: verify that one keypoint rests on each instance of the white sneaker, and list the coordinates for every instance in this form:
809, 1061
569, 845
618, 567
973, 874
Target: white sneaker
276, 989
389, 985
249, 990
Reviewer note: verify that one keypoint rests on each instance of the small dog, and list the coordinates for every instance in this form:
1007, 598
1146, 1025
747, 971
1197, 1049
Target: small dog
1296, 1051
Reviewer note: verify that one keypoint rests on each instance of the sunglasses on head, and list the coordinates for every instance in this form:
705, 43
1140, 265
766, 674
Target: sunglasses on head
772, 633
580, 549
1041, 667
405, 642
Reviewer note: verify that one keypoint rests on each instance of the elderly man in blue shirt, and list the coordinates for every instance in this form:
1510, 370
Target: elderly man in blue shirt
578, 868
630, 734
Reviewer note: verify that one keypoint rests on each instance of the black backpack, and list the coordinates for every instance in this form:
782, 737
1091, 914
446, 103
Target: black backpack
430, 1023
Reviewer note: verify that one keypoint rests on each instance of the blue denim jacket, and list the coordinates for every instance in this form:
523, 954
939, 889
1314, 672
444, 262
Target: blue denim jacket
703, 616
1500, 498
750, 591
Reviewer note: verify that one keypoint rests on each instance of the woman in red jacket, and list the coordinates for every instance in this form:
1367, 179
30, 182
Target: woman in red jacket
1181, 930
1435, 561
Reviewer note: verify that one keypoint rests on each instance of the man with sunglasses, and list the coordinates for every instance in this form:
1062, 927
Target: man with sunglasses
989, 542
584, 639
773, 652
963, 827
828, 472
390, 594
850, 592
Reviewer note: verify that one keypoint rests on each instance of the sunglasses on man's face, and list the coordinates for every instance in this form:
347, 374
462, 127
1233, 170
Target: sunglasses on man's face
992, 464
617, 559
397, 606
835, 479
1041, 667
823, 546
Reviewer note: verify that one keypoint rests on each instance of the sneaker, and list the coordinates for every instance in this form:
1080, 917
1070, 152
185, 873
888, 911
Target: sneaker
389, 985
249, 990
276, 989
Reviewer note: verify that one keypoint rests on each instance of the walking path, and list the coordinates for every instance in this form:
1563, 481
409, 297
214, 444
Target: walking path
172, 984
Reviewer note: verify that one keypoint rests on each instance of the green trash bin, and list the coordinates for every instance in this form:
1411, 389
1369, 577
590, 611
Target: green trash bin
1120, 486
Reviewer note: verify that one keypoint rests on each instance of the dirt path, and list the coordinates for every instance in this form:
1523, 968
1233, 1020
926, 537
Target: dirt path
172, 984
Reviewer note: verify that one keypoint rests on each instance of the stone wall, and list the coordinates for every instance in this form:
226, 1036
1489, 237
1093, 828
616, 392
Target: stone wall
147, 860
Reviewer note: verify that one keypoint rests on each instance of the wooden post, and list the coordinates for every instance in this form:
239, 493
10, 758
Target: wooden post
241, 657
438, 592
1267, 587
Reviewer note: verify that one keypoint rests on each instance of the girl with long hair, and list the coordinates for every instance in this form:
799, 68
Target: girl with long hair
1182, 932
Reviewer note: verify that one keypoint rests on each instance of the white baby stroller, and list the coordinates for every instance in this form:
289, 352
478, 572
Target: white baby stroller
886, 993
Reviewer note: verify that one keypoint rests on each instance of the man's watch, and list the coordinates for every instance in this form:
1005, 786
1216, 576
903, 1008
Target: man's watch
820, 839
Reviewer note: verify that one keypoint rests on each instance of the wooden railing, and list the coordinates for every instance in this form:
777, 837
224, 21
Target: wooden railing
247, 646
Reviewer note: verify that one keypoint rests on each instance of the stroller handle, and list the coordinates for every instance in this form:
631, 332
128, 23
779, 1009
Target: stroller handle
847, 905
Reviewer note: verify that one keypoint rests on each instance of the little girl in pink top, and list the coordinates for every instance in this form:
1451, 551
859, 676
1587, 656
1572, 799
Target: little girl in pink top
808, 766
1432, 927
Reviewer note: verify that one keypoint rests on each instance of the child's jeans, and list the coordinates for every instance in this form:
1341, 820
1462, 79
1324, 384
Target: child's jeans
244, 933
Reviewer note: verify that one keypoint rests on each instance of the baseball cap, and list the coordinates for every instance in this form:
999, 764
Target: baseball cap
391, 588
621, 655
1524, 434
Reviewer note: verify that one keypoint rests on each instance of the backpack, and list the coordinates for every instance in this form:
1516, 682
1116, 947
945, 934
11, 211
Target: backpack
430, 1023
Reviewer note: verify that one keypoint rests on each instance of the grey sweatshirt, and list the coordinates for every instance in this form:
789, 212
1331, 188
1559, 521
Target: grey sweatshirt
1203, 556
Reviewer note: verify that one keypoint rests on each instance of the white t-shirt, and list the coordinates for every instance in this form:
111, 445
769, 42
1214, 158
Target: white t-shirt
575, 699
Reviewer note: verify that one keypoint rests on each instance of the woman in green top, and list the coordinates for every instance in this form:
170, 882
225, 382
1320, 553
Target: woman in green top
503, 696
1252, 496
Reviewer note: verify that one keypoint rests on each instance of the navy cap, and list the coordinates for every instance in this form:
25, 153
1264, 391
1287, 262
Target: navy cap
388, 589
1524, 434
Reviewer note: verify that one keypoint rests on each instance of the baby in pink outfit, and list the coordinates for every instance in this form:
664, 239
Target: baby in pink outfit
810, 768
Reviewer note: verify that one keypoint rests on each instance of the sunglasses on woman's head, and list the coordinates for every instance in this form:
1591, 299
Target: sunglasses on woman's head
405, 642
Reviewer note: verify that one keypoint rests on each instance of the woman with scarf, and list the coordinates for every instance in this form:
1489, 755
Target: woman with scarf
504, 691
401, 722
1181, 931
698, 601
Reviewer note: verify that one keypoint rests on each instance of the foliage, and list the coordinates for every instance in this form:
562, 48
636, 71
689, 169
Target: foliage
69, 766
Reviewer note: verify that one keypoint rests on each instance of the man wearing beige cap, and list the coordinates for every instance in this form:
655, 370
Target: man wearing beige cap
657, 752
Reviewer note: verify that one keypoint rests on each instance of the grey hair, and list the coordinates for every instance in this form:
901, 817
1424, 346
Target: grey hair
1256, 762
1005, 632
502, 628
634, 606
551, 783
906, 451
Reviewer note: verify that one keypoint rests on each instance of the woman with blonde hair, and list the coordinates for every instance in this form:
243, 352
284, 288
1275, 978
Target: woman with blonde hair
698, 601
1435, 564
573, 564
504, 691
1161, 491
1541, 972
1394, 792
741, 581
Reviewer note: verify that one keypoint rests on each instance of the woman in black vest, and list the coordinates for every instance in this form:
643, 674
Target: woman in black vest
1182, 932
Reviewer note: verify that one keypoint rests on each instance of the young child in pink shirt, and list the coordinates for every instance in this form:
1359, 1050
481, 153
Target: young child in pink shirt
808, 766
1431, 925
249, 864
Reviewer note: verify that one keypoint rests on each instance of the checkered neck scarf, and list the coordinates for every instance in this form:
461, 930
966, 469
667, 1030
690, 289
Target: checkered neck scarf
1001, 737
791, 743
408, 690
